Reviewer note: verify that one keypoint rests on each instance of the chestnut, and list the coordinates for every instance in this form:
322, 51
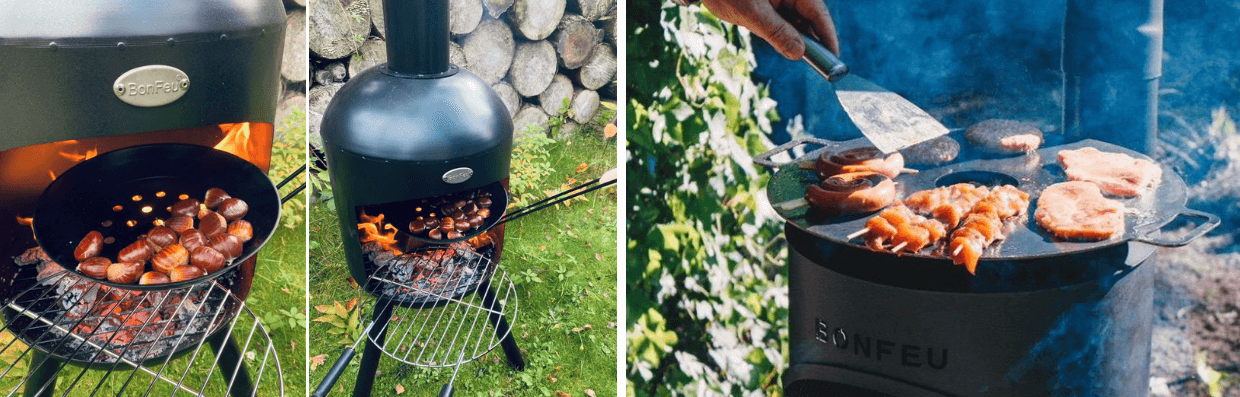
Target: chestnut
170, 257
226, 244
182, 273
476, 221
447, 224
459, 203
125, 272
161, 236
483, 212
96, 268
463, 225
417, 226
187, 207
241, 229
212, 225
150, 278
435, 234
452, 235
214, 197
233, 209
138, 252
179, 223
432, 222
470, 208
207, 259
460, 216
89, 247
193, 238
484, 201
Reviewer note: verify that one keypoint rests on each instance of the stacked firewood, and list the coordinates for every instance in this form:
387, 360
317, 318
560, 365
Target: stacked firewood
536, 54
294, 72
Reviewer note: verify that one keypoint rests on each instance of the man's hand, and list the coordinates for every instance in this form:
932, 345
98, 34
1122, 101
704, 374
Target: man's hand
766, 18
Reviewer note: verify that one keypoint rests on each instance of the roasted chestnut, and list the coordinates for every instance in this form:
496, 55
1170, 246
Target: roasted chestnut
454, 235
476, 221
417, 226
187, 272
470, 208
233, 209
212, 225
226, 244
435, 234
193, 238
125, 272
484, 212
89, 247
161, 236
170, 257
96, 267
150, 278
207, 259
460, 216
432, 222
484, 202
179, 223
241, 229
462, 225
447, 225
187, 207
139, 252
214, 197
459, 203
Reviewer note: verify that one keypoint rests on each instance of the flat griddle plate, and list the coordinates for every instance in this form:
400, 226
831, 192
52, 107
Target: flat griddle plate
1031, 173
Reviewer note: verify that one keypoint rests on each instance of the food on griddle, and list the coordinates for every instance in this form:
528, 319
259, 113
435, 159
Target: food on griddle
865, 159
984, 223
901, 228
435, 234
947, 204
852, 193
89, 247
417, 226
1002, 136
935, 151
125, 272
1078, 211
96, 267
175, 248
1117, 174
451, 216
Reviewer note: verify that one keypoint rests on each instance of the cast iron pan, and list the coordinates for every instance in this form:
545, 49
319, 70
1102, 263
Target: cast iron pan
399, 214
86, 197
1147, 214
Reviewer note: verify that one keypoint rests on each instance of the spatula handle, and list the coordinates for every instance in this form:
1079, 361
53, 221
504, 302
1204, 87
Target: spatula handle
822, 60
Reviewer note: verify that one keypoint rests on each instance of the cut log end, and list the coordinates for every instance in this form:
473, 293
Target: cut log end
489, 50
558, 95
536, 19
575, 40
533, 67
599, 70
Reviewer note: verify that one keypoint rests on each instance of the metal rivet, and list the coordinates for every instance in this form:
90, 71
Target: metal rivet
120, 45
184, 84
53, 45
120, 89
171, 41
223, 37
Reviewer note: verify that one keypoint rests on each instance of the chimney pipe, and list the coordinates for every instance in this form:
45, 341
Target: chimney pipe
1112, 62
417, 37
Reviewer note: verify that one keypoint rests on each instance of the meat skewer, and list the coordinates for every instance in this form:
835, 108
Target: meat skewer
946, 204
983, 224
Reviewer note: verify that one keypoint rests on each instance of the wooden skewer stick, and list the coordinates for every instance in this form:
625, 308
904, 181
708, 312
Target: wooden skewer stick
909, 171
859, 233
957, 251
793, 204
897, 248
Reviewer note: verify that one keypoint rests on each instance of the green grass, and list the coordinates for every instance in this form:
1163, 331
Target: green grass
277, 297
564, 260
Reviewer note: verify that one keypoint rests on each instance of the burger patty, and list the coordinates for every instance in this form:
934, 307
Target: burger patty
1078, 211
1002, 136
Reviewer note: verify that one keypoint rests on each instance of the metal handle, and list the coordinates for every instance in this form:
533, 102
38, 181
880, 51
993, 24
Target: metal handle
823, 60
764, 159
1210, 222
446, 391
334, 375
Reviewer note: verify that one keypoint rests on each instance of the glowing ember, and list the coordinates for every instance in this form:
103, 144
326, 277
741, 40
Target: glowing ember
160, 194
147, 209
78, 157
137, 198
373, 229
52, 174
183, 197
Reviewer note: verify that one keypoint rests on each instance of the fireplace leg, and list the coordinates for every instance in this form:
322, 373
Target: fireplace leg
501, 327
232, 367
43, 371
374, 351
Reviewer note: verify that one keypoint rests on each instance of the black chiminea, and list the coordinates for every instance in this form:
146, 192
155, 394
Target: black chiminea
107, 79
1040, 317
400, 139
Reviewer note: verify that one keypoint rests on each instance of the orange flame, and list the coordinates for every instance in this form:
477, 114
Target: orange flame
52, 174
79, 157
237, 140
372, 228
26, 222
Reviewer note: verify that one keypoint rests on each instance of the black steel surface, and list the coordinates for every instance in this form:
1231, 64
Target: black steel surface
416, 33
62, 57
1031, 173
83, 198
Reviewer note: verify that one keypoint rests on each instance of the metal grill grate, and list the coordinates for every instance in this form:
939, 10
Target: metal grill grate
153, 340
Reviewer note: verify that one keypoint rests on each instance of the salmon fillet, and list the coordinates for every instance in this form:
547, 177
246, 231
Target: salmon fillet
1117, 174
1078, 211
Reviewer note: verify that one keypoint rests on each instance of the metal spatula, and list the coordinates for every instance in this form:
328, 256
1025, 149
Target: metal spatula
888, 120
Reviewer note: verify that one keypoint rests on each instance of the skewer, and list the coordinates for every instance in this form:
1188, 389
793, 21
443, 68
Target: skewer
793, 204
957, 251
897, 248
909, 171
859, 233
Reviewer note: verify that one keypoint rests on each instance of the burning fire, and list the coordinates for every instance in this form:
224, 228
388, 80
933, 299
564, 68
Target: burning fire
79, 157
237, 141
372, 228
26, 222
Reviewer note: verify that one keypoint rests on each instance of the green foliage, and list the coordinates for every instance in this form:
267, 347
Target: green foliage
344, 320
287, 155
530, 167
289, 318
707, 298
